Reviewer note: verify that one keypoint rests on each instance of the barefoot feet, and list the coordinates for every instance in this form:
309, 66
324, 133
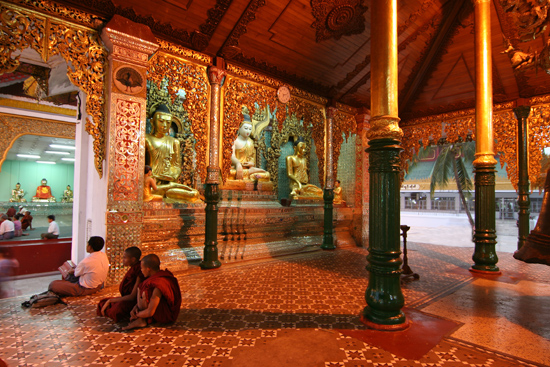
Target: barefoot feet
137, 323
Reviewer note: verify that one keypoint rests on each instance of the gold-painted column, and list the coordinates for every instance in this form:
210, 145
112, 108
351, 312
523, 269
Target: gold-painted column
212, 188
328, 192
130, 46
384, 296
485, 257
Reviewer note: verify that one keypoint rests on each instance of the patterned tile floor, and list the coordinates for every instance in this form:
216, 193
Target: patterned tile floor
278, 312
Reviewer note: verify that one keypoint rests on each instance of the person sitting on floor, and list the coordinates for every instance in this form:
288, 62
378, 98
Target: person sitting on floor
18, 232
7, 229
118, 308
26, 222
53, 229
88, 276
159, 296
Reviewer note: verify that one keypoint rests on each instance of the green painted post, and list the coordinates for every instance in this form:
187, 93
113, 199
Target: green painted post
384, 296
212, 197
524, 202
328, 239
485, 237
212, 191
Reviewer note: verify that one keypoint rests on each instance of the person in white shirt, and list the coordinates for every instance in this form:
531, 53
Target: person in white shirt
7, 229
88, 276
53, 229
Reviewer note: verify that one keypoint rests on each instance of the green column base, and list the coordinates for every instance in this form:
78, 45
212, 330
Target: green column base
328, 239
210, 258
384, 296
485, 256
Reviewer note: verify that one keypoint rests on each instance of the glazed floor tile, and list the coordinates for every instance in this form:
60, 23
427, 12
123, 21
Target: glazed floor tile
283, 312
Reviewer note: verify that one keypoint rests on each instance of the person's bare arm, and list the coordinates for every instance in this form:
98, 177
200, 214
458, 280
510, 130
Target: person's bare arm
129, 297
152, 307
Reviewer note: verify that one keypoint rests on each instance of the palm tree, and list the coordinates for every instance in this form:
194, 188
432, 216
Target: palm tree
451, 162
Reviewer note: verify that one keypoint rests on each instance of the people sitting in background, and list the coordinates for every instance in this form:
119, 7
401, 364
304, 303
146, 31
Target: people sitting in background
7, 229
26, 222
88, 276
18, 232
158, 298
118, 308
22, 210
11, 212
53, 229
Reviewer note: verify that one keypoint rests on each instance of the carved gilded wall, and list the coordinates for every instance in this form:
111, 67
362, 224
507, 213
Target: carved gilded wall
422, 132
183, 74
80, 46
12, 127
257, 91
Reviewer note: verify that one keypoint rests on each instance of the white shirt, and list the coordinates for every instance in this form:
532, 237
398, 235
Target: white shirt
92, 270
6, 226
53, 228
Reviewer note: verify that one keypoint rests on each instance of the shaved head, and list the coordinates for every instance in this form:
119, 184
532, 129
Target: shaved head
151, 261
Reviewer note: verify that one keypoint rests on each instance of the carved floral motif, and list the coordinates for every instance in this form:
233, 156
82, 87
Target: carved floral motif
79, 46
334, 19
126, 131
344, 125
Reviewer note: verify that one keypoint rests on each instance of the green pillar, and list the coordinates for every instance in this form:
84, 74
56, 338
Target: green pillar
212, 191
524, 203
485, 256
212, 197
328, 193
485, 237
384, 296
328, 239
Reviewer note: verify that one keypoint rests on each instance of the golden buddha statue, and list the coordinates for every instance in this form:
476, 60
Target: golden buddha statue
164, 156
44, 192
296, 170
149, 185
338, 194
67, 195
17, 194
243, 154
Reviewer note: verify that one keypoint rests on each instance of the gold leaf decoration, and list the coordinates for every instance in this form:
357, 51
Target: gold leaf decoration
79, 46
193, 79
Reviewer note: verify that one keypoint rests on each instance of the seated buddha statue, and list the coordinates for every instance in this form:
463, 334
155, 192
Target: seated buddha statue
163, 154
243, 157
17, 194
44, 192
338, 194
67, 195
296, 170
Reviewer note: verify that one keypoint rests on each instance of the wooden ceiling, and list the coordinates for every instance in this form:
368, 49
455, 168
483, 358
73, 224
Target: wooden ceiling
324, 46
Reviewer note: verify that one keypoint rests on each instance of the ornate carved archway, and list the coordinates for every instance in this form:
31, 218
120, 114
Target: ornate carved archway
13, 127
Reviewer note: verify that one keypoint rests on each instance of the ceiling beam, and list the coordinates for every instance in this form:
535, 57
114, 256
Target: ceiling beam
427, 63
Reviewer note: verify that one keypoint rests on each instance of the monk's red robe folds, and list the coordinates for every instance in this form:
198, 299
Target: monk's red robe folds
121, 310
170, 303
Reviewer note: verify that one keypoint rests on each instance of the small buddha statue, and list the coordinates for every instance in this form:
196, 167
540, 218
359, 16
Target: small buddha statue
44, 192
296, 169
243, 157
17, 194
164, 157
338, 198
67, 195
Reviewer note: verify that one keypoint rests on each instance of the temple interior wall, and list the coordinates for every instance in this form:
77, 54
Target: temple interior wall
29, 175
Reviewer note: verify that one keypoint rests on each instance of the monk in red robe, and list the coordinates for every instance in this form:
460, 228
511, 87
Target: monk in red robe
119, 308
159, 296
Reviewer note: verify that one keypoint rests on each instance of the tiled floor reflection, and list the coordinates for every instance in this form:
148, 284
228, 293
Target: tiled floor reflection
282, 312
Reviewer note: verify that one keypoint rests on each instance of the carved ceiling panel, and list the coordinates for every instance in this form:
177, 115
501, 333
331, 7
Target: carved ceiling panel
334, 19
